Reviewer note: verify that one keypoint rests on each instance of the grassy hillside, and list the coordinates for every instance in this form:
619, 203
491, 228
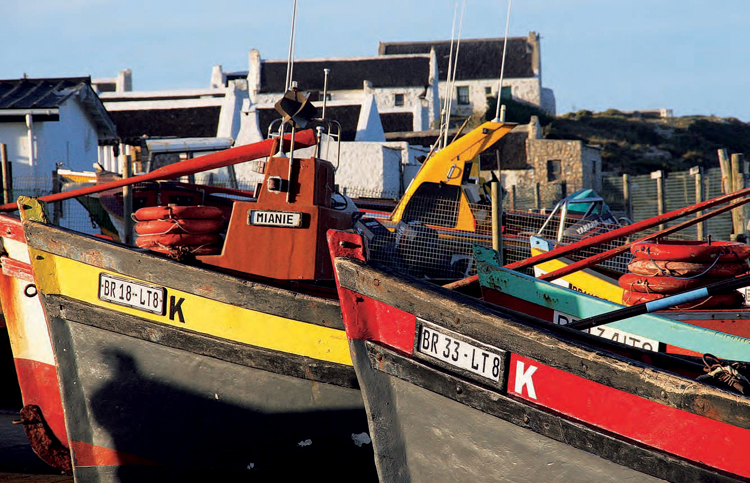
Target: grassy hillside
636, 144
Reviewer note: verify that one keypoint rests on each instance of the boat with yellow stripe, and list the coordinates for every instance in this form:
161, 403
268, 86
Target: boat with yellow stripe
215, 367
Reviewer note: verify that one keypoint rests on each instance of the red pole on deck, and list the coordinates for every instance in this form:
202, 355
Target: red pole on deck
600, 257
221, 159
626, 230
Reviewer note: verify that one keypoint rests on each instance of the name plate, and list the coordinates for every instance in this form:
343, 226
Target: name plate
285, 219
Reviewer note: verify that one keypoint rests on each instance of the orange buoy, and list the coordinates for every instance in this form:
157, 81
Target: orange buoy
687, 269
662, 284
729, 300
180, 244
195, 226
199, 212
691, 251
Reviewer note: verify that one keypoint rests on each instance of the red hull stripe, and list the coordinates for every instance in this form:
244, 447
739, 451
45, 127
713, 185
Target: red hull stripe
377, 321
87, 454
696, 438
38, 382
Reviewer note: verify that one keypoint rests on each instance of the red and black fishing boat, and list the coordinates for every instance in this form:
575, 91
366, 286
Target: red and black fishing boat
459, 390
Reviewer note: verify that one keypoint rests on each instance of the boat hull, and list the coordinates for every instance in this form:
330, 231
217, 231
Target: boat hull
622, 404
32, 350
424, 430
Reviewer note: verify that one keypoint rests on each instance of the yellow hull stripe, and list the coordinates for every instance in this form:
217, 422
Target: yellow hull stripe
77, 280
583, 281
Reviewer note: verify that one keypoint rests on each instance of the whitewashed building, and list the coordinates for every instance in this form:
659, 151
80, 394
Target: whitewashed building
478, 71
49, 123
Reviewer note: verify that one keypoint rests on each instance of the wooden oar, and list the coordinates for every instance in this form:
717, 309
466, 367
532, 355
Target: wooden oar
207, 162
663, 303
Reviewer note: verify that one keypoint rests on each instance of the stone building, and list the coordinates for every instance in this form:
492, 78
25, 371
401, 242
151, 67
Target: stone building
549, 169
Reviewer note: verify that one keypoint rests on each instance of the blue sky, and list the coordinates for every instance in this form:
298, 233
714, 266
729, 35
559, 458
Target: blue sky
691, 56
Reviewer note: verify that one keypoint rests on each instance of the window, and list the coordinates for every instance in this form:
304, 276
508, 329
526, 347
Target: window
506, 92
554, 170
399, 99
462, 94
488, 91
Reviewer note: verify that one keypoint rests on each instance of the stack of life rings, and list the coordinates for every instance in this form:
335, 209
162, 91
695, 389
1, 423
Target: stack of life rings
180, 231
668, 267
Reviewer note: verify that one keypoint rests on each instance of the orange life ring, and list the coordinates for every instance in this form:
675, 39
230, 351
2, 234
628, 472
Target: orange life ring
729, 300
691, 251
199, 212
172, 240
662, 284
687, 269
193, 226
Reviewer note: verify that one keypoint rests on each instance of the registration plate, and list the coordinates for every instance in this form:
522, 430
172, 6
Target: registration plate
137, 295
458, 351
610, 333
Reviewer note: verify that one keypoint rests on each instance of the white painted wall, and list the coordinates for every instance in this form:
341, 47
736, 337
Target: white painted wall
72, 141
525, 90
365, 169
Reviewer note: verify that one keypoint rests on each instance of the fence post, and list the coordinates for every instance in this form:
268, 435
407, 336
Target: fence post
513, 197
626, 197
7, 174
738, 182
697, 171
659, 177
56, 188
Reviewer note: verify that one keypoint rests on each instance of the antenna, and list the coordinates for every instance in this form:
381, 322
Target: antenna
290, 60
452, 75
502, 70
450, 78
288, 85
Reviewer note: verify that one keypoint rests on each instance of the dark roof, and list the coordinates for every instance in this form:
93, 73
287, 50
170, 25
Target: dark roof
346, 74
38, 93
347, 116
191, 122
33, 94
477, 58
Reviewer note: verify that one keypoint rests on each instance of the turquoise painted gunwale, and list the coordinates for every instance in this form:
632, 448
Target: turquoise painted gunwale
493, 275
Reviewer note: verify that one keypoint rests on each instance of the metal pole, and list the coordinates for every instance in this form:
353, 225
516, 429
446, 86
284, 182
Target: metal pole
497, 213
4, 167
127, 199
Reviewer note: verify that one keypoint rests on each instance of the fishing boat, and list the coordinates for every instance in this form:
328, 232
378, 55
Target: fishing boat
658, 331
207, 365
458, 390
42, 414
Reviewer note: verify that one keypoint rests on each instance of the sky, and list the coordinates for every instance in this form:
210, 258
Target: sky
691, 56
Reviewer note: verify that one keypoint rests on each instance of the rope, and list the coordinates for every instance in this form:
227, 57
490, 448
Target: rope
666, 273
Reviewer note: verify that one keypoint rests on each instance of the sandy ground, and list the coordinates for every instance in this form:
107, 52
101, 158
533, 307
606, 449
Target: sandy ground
18, 463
